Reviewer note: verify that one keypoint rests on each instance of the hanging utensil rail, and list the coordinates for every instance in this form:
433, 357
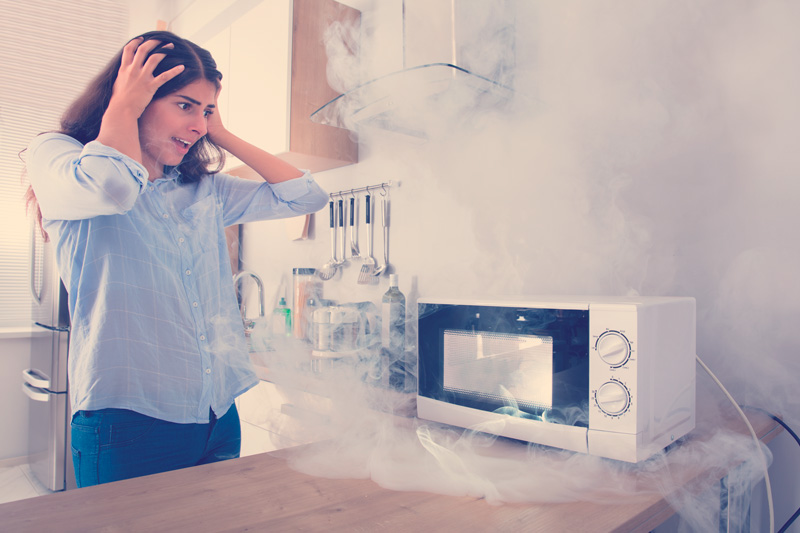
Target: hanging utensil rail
368, 188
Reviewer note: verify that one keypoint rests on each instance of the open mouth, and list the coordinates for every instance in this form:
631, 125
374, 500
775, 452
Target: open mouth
182, 144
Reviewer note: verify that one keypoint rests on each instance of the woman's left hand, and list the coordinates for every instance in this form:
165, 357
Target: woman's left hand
269, 167
215, 129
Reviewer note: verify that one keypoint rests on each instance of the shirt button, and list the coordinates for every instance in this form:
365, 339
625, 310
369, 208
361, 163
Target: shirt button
188, 272
208, 370
181, 239
165, 215
152, 188
202, 337
194, 304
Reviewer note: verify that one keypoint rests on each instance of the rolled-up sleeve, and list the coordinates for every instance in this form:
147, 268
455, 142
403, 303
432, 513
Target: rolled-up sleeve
249, 200
74, 182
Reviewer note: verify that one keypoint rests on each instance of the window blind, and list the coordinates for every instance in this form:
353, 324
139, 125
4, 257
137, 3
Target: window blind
49, 51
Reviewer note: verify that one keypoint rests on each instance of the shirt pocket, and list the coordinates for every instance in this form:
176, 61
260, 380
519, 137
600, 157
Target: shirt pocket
203, 223
127, 433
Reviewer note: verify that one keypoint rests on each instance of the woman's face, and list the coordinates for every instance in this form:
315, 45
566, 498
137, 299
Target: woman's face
170, 125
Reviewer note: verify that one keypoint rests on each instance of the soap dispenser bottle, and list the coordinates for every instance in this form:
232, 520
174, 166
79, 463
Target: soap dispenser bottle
281, 320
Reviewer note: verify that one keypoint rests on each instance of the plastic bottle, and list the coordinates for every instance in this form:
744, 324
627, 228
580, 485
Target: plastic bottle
393, 333
281, 320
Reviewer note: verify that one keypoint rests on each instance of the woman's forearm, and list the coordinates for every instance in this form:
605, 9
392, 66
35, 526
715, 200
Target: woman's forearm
268, 166
119, 129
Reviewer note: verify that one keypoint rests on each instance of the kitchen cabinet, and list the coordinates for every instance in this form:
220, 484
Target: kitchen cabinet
272, 57
278, 416
264, 427
292, 405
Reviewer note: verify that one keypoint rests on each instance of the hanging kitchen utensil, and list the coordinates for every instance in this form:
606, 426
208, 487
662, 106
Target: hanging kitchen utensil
385, 267
368, 267
354, 252
341, 231
329, 269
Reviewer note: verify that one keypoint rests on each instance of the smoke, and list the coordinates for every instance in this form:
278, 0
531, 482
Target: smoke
647, 149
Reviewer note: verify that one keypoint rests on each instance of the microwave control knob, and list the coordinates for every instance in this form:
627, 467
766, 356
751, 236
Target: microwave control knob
613, 348
613, 398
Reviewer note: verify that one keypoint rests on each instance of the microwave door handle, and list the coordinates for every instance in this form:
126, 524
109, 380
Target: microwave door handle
35, 394
37, 296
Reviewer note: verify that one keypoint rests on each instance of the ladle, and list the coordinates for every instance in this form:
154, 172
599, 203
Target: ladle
385, 267
354, 251
341, 217
328, 270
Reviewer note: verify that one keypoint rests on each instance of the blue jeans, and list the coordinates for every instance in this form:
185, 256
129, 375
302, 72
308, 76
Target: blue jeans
113, 444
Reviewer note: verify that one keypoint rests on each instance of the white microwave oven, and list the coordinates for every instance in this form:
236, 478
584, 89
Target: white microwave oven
612, 377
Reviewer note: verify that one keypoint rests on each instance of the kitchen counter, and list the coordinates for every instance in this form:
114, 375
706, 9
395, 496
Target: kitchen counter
261, 493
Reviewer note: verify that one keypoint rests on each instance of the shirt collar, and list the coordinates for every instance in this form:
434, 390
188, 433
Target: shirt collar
171, 175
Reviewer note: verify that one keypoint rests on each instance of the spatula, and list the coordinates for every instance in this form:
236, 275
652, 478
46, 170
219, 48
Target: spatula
365, 276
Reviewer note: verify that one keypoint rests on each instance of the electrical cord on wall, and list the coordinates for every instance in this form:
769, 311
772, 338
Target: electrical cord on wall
755, 438
797, 440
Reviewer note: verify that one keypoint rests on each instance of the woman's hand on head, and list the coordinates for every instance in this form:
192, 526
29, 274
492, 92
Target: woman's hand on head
215, 129
135, 84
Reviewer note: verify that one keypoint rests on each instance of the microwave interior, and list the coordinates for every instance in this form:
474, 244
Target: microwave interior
524, 362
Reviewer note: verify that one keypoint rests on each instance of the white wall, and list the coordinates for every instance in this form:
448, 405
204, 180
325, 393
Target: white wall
145, 14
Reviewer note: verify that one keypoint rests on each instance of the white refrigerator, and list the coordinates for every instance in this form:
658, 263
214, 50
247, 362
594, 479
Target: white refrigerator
45, 381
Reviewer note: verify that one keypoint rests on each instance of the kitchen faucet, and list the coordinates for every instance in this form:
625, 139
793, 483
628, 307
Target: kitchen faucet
250, 324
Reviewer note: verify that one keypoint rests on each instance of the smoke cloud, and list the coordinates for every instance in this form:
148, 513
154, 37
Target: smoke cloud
647, 149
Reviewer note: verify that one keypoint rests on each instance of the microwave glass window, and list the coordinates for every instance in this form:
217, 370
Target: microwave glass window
513, 370
525, 362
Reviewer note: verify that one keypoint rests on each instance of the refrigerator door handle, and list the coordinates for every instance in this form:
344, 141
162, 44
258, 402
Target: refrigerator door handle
35, 393
57, 329
36, 378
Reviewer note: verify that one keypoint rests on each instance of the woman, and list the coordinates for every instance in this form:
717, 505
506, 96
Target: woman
157, 349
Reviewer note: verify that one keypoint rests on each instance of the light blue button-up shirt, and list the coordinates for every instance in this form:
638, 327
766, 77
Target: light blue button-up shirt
155, 322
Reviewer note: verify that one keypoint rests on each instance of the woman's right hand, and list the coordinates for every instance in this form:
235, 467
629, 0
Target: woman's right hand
135, 84
132, 92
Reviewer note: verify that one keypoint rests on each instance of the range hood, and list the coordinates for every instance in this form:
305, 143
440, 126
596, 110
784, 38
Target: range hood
405, 101
394, 100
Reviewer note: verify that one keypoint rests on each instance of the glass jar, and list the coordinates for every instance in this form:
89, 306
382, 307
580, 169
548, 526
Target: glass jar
307, 286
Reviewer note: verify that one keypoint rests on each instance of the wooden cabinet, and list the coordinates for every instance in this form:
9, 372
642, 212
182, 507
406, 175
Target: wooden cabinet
272, 57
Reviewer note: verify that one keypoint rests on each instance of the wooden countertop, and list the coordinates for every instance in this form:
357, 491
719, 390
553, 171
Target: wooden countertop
261, 493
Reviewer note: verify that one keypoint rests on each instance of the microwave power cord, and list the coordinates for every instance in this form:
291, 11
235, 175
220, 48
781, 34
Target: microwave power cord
796, 439
755, 438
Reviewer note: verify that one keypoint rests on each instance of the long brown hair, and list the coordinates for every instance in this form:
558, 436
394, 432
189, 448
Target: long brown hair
82, 118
